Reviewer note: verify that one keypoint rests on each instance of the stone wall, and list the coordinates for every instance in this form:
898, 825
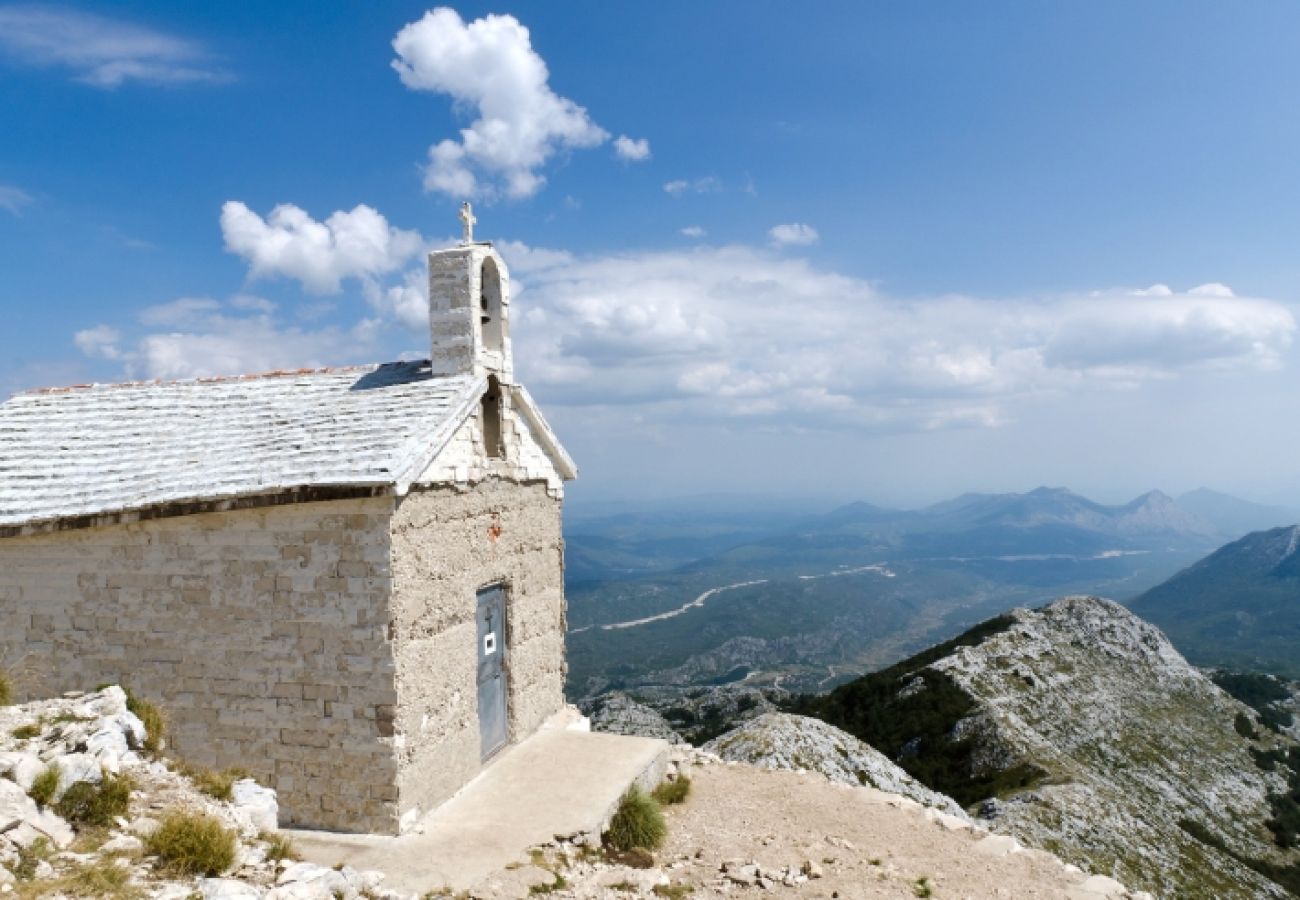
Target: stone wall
447, 543
263, 633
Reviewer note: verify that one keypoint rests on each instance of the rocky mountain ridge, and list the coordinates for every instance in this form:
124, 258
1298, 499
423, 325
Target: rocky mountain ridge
1092, 737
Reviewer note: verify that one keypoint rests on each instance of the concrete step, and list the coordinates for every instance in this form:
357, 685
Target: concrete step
553, 784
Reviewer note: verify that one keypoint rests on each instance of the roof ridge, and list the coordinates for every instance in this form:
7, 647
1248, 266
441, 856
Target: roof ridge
216, 379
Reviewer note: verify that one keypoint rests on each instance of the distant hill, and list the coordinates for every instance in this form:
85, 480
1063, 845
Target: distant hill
1079, 729
1234, 517
1239, 607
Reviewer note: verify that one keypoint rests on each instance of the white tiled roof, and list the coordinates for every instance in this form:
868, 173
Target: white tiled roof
103, 449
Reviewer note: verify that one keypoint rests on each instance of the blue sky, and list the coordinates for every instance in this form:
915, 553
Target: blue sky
880, 251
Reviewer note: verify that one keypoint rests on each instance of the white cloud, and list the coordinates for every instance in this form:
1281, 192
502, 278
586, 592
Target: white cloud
99, 342
706, 185
743, 332
290, 243
632, 150
100, 51
13, 199
205, 337
793, 234
693, 231
489, 67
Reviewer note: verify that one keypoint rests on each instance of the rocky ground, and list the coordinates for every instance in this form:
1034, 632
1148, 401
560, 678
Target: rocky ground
749, 832
93, 737
741, 831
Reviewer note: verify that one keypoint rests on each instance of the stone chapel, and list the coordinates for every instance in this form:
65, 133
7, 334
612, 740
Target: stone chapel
347, 581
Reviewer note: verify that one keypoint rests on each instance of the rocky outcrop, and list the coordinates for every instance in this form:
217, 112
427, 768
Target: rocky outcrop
784, 741
87, 738
1090, 736
617, 713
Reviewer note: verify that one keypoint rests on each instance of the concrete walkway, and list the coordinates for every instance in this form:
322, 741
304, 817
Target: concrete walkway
554, 784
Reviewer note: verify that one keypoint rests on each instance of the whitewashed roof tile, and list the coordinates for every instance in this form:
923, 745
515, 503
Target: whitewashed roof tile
104, 449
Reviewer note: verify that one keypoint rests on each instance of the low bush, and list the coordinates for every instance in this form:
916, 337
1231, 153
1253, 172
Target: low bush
155, 723
100, 879
280, 847
6, 690
45, 785
27, 732
1245, 727
670, 793
192, 844
30, 857
217, 784
96, 805
638, 823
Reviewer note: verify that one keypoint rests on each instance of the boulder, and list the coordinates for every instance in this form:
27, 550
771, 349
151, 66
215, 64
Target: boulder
257, 802
21, 768
228, 889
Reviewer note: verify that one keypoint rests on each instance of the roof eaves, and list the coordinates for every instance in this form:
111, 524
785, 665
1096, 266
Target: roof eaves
564, 463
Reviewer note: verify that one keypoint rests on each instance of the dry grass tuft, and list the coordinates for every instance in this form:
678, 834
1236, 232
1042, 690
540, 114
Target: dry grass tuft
669, 793
45, 785
192, 844
638, 823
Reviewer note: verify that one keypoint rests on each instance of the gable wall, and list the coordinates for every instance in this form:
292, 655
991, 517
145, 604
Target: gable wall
501, 523
262, 633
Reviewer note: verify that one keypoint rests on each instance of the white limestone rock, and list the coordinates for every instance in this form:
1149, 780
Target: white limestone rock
21, 768
258, 803
784, 741
228, 889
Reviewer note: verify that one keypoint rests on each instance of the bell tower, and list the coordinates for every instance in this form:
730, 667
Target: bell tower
469, 308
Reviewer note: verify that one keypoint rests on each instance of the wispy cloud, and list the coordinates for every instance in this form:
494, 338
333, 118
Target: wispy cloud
793, 234
13, 199
100, 51
694, 232
706, 185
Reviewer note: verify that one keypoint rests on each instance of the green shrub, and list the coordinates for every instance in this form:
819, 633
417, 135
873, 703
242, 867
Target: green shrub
27, 732
638, 823
1245, 727
6, 690
96, 805
45, 785
670, 793
192, 844
155, 723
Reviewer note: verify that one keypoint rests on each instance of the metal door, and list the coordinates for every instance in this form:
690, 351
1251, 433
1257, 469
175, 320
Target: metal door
492, 718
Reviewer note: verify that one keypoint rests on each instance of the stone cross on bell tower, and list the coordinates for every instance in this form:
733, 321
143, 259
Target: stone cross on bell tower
469, 308
467, 223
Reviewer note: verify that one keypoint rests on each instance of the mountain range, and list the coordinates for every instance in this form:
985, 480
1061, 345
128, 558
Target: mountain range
780, 594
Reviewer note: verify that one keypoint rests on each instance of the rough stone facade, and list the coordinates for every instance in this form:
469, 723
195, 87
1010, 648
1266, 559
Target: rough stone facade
262, 633
328, 648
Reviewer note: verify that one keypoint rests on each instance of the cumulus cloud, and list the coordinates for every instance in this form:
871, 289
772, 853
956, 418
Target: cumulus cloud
99, 342
693, 231
793, 234
13, 199
706, 185
488, 66
744, 332
632, 150
100, 51
291, 244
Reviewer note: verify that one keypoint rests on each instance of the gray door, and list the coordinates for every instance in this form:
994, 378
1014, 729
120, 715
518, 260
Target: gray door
492, 718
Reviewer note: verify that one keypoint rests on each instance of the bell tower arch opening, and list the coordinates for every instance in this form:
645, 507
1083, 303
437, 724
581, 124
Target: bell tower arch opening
490, 307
